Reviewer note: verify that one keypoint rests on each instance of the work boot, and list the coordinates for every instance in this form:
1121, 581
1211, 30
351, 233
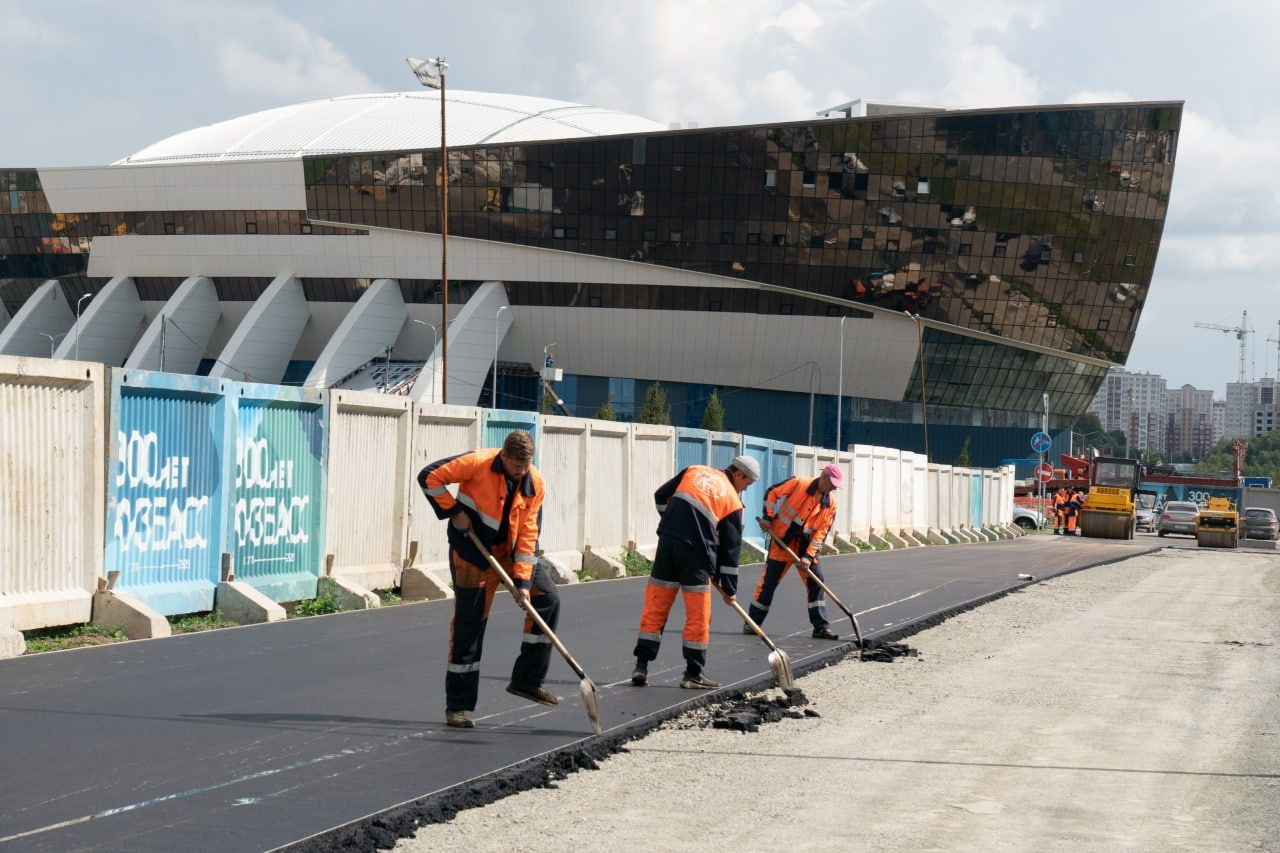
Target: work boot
698, 681
533, 694
746, 629
825, 633
640, 675
459, 720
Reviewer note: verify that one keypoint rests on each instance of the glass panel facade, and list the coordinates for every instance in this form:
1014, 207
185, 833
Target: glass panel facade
1040, 226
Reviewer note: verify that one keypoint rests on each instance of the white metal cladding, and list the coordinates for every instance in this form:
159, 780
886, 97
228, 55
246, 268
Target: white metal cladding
922, 519
262, 344
607, 493
562, 457
182, 328
390, 121
369, 486
45, 311
860, 492
52, 492
438, 432
371, 325
108, 325
653, 462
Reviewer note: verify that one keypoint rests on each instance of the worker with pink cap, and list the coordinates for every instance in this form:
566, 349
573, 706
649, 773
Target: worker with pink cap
800, 512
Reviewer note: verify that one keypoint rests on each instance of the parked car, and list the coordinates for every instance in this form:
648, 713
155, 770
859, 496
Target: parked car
1260, 523
1178, 517
1027, 519
1146, 512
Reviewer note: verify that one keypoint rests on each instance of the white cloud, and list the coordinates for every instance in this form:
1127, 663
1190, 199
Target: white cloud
798, 21
1099, 96
275, 55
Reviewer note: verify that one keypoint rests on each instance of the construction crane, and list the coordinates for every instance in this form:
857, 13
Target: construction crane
1241, 332
1276, 341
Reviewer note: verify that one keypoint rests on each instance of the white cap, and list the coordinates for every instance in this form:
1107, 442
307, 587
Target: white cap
746, 465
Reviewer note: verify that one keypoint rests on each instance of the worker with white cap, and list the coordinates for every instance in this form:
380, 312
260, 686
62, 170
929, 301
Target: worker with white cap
799, 511
699, 538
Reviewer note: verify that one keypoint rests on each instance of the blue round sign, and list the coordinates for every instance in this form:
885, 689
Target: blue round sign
1040, 442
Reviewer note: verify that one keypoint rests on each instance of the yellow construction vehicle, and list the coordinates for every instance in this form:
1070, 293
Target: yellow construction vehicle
1218, 525
1109, 511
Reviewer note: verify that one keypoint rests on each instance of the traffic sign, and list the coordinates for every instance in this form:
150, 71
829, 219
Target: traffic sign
1040, 442
1044, 472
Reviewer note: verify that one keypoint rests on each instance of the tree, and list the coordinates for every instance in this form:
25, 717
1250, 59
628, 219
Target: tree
962, 458
655, 409
606, 412
1261, 458
713, 414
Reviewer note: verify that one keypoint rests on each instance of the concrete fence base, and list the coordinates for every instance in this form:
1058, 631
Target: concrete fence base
878, 541
751, 554
563, 566
895, 540
12, 643
349, 594
936, 538
916, 537
243, 604
843, 543
111, 609
426, 583
604, 562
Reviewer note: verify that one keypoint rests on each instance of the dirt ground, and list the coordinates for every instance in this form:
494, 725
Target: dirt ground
1131, 706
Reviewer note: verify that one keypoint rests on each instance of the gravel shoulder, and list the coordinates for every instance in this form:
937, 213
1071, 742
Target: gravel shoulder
1131, 706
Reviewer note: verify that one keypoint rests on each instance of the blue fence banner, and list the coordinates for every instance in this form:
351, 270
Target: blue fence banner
168, 484
693, 447
277, 511
1198, 495
724, 446
975, 499
499, 423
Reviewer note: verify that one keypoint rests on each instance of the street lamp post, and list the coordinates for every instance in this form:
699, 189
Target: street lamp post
840, 389
79, 302
814, 370
924, 406
431, 73
53, 339
435, 342
497, 325
1044, 428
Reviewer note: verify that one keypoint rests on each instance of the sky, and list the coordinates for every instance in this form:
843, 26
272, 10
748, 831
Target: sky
87, 83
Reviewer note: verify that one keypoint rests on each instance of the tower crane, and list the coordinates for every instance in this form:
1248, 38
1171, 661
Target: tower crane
1276, 341
1241, 332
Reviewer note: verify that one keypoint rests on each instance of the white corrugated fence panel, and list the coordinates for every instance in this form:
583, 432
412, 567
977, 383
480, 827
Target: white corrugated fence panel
606, 492
859, 497
806, 463
370, 485
653, 462
562, 458
922, 519
892, 490
439, 432
52, 490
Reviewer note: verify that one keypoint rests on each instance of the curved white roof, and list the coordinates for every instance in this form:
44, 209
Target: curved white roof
392, 121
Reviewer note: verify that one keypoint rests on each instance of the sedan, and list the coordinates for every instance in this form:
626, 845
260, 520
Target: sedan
1260, 523
1178, 517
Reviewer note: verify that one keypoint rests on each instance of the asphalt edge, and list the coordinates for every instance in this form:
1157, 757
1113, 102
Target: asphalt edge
381, 830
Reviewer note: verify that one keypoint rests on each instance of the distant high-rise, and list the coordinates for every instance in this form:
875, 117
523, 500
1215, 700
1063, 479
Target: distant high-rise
1135, 403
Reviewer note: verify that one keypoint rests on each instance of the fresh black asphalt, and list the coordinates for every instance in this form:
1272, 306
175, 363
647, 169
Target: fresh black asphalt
256, 737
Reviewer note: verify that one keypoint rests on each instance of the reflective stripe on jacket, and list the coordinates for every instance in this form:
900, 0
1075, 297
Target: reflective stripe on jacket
701, 508
482, 495
797, 512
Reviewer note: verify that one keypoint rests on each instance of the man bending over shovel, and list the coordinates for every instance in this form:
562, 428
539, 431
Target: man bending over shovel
499, 498
699, 538
799, 511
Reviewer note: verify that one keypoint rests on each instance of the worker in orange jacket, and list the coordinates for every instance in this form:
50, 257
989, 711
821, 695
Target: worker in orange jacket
699, 538
1059, 511
500, 497
800, 512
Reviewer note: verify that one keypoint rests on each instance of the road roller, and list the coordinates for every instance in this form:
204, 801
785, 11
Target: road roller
1109, 511
1218, 525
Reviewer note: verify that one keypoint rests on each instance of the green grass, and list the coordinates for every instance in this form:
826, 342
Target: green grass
637, 564
845, 549
193, 622
73, 637
389, 597
585, 574
324, 603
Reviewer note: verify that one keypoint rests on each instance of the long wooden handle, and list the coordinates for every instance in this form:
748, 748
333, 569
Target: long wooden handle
751, 623
526, 605
814, 575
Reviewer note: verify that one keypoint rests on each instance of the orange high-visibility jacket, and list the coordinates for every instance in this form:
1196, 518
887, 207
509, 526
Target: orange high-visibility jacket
700, 507
796, 511
483, 496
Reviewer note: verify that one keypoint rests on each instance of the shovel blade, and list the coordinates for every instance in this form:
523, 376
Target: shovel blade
591, 702
780, 663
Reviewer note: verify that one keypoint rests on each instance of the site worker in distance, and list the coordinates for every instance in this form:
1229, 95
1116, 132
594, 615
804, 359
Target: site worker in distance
500, 497
800, 512
699, 538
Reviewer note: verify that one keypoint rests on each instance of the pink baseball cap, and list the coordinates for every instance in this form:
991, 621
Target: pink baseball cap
835, 474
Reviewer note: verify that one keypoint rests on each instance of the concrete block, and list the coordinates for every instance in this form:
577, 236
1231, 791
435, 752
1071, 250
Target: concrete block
243, 604
350, 595
604, 562
965, 535
1015, 531
828, 549
112, 609
1259, 544
426, 583
895, 540
650, 552
936, 538
562, 566
985, 535
950, 536
917, 537
12, 643
880, 542
750, 553
844, 542
998, 532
